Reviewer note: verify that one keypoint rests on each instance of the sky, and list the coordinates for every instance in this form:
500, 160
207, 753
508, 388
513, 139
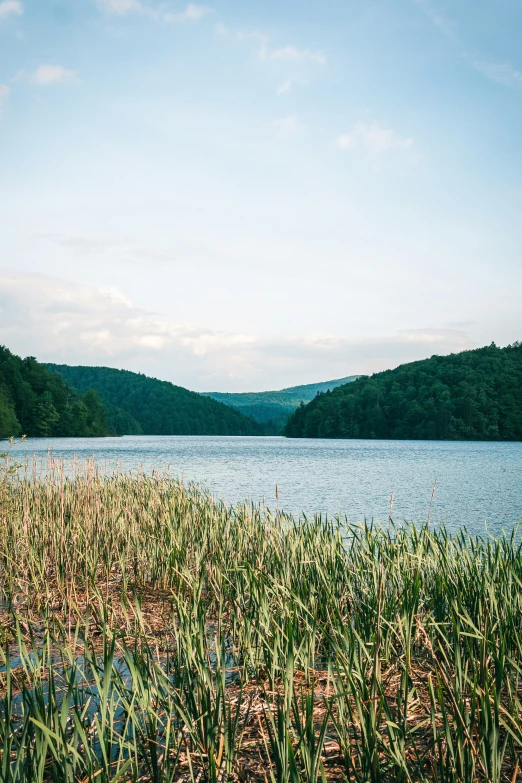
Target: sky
251, 194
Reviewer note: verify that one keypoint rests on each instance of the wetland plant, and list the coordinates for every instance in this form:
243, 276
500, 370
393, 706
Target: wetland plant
149, 632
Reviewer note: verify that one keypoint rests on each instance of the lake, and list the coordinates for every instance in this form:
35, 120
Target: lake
477, 482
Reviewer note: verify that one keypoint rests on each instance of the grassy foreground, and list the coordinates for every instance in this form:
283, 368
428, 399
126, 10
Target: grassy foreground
151, 633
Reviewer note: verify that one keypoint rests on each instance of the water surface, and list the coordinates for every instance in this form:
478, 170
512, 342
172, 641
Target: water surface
477, 482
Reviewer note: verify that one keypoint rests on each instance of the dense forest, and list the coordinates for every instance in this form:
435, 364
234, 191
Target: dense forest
473, 395
157, 407
35, 402
273, 408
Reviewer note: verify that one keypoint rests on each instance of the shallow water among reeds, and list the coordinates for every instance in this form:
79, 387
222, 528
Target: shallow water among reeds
477, 483
152, 633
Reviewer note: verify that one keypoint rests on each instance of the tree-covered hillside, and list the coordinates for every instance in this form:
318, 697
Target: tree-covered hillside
473, 395
159, 407
35, 402
273, 408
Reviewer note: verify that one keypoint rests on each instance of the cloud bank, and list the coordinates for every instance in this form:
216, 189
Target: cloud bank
59, 321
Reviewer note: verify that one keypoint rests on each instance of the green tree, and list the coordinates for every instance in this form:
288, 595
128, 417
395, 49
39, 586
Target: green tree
157, 407
9, 424
473, 395
47, 416
36, 402
96, 418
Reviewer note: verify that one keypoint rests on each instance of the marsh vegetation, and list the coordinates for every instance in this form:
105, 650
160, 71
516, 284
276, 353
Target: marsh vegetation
152, 633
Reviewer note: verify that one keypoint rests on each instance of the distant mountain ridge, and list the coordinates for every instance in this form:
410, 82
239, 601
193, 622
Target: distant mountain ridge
273, 408
472, 395
137, 404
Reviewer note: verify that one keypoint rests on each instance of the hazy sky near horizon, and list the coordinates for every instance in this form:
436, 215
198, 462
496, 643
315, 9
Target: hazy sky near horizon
249, 195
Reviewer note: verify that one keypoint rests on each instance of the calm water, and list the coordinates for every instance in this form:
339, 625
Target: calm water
476, 482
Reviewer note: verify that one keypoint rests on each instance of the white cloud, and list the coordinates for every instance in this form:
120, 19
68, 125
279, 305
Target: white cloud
264, 51
11, 8
60, 319
46, 75
500, 73
56, 320
285, 127
373, 137
4, 94
192, 13
116, 296
497, 72
221, 30
437, 18
123, 7
284, 87
291, 52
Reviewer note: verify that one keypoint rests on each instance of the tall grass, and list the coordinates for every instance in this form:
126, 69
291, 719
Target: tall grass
152, 633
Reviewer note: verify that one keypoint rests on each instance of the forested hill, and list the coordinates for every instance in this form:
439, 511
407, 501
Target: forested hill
274, 407
473, 395
33, 401
159, 407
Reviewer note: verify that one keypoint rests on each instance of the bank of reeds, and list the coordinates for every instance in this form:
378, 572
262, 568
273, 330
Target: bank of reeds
151, 633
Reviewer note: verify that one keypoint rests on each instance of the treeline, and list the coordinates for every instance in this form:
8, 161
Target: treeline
35, 402
158, 407
473, 395
40, 400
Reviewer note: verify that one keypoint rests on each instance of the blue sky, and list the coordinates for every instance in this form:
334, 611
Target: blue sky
248, 195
